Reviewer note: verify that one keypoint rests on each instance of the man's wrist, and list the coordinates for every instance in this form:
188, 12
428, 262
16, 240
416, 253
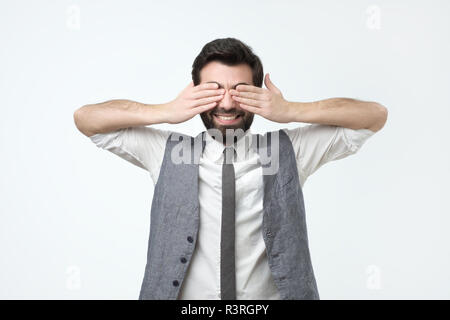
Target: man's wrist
156, 113
301, 111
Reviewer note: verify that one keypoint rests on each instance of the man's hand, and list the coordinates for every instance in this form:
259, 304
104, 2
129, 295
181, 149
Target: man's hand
268, 103
192, 101
344, 112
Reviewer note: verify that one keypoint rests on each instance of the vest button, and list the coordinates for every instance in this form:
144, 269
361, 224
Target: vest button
190, 239
183, 260
175, 283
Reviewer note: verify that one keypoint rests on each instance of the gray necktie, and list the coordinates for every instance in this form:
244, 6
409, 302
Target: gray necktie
227, 250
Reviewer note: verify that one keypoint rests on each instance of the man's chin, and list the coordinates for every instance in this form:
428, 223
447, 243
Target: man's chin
224, 130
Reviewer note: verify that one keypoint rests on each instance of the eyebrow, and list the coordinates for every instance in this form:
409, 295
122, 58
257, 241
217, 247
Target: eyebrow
233, 87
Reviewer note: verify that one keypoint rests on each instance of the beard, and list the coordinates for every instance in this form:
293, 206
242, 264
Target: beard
245, 120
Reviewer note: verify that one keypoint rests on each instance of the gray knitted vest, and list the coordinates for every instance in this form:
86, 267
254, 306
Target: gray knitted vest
175, 221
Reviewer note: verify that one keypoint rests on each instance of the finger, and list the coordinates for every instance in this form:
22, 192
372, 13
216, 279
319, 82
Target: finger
189, 86
250, 102
204, 108
244, 87
269, 84
244, 94
207, 93
205, 86
207, 100
250, 108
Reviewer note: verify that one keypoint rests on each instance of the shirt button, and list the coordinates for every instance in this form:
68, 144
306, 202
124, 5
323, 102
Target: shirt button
183, 260
175, 283
190, 239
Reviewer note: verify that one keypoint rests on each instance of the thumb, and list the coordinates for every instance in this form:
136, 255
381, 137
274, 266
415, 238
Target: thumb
269, 84
189, 86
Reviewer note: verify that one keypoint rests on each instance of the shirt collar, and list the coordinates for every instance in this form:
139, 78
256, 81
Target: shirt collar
214, 149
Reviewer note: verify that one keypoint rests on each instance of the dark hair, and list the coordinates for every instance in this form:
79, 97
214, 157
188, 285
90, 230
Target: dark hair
229, 51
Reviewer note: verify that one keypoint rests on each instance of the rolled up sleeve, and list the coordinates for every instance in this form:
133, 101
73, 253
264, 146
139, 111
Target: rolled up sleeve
141, 146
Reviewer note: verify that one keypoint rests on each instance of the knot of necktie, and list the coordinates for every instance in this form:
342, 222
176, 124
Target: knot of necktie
229, 155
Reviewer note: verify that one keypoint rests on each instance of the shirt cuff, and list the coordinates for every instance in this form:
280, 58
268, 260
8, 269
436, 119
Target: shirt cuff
102, 140
356, 138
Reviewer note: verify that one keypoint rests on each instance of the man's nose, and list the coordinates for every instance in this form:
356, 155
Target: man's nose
227, 102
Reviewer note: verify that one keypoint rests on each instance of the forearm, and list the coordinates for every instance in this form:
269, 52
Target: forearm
344, 112
116, 114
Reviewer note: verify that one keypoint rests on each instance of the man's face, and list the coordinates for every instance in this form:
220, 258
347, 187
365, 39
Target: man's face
227, 114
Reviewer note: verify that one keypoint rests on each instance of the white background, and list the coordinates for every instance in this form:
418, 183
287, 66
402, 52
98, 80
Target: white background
74, 219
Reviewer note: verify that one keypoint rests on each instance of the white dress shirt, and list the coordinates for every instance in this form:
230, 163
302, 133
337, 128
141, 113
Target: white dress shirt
314, 145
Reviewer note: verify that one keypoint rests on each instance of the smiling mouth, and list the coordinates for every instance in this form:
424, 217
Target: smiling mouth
227, 119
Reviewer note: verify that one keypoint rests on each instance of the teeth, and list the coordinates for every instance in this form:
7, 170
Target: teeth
227, 118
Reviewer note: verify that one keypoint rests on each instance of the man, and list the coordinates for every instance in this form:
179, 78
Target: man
230, 229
